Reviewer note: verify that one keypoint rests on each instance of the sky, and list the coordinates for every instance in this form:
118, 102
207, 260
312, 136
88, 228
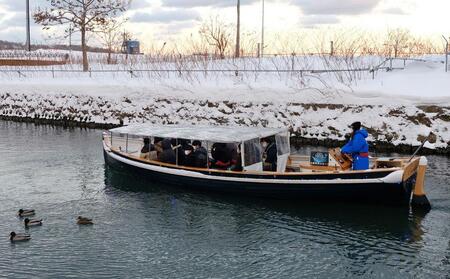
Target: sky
157, 21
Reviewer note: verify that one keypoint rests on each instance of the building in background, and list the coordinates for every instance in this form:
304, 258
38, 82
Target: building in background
131, 47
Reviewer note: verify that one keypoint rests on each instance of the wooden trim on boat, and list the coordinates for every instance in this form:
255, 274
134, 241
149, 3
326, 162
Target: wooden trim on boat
410, 169
265, 173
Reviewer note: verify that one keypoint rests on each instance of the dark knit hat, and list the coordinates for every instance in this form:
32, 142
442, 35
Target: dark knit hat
356, 126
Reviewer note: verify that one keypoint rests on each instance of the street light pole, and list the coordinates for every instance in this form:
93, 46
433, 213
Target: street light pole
28, 44
238, 30
262, 30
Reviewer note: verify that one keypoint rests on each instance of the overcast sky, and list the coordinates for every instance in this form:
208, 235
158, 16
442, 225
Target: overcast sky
161, 20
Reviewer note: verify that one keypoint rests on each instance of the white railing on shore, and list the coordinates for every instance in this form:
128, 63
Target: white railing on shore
55, 71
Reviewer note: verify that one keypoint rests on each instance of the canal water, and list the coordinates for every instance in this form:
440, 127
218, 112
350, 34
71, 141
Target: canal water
142, 232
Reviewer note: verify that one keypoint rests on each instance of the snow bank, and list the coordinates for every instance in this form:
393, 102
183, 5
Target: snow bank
394, 124
397, 106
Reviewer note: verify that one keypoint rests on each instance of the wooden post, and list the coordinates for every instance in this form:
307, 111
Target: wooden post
293, 61
419, 199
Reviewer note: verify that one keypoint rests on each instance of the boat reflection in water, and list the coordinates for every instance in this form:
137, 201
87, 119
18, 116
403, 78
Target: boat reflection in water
376, 223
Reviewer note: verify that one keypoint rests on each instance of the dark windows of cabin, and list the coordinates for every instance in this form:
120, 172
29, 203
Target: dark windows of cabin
249, 155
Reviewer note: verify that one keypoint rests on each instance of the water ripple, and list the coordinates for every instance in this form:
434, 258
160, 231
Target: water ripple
143, 232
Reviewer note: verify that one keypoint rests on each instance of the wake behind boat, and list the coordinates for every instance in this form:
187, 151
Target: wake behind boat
139, 149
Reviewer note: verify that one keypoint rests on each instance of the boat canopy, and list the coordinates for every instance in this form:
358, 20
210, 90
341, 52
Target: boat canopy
224, 134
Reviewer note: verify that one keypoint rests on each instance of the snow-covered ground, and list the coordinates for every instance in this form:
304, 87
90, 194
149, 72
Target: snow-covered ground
398, 106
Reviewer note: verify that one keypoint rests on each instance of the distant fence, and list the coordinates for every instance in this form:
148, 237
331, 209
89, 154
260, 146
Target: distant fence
133, 72
385, 65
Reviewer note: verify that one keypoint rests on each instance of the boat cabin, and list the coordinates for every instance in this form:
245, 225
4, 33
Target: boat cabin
246, 142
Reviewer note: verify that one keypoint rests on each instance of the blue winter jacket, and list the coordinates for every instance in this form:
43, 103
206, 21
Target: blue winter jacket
355, 146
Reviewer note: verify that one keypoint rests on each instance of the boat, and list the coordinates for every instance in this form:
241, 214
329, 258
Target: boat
320, 176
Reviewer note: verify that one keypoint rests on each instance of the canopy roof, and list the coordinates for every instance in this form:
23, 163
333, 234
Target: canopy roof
204, 133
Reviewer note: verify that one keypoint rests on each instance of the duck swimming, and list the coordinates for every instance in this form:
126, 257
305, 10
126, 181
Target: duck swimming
32, 222
19, 237
84, 221
25, 212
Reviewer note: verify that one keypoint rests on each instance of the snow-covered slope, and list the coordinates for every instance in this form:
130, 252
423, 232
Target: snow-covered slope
397, 106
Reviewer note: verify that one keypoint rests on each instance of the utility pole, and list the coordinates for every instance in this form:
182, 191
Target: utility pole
28, 44
446, 53
238, 32
262, 31
70, 37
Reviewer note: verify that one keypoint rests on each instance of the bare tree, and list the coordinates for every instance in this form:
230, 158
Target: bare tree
397, 39
111, 35
84, 16
238, 31
217, 34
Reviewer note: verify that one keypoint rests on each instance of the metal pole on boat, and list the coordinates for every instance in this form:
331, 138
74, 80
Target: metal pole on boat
242, 155
207, 154
420, 147
176, 152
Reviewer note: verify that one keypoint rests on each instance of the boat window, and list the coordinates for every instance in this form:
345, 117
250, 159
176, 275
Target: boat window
252, 152
135, 144
119, 141
283, 146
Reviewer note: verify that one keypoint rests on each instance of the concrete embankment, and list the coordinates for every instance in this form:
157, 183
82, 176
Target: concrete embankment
394, 128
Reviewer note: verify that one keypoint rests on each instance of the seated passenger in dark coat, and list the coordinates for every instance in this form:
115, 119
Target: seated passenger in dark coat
237, 163
200, 154
221, 155
189, 156
270, 154
167, 155
179, 148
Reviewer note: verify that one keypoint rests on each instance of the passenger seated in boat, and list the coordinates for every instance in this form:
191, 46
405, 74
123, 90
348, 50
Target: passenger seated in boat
269, 154
157, 143
358, 147
189, 156
145, 151
167, 154
233, 148
237, 165
221, 155
180, 146
201, 154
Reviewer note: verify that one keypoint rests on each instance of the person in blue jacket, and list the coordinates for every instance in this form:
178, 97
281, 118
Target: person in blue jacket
358, 147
